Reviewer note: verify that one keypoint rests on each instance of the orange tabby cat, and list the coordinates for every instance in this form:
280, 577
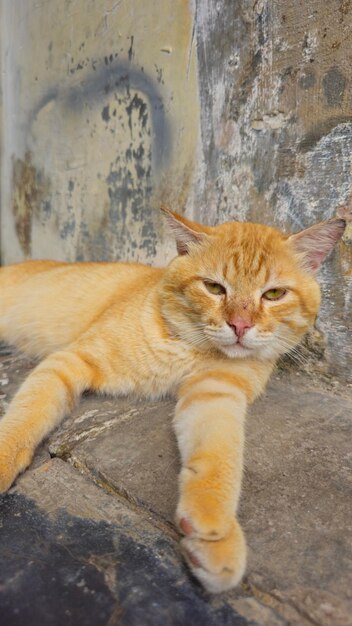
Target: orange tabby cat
208, 328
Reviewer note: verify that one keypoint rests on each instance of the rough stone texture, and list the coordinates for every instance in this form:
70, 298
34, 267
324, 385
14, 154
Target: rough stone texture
72, 554
230, 110
295, 510
128, 446
275, 92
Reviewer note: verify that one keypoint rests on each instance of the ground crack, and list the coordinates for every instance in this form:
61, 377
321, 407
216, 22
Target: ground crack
280, 605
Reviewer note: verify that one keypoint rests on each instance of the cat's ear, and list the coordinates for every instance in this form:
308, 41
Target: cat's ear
316, 242
186, 233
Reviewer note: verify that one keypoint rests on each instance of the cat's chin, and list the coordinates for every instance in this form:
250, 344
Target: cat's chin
236, 351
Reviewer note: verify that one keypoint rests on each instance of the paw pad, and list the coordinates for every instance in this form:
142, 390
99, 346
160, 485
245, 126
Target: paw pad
185, 526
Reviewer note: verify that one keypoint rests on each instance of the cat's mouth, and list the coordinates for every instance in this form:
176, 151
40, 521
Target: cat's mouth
235, 349
228, 343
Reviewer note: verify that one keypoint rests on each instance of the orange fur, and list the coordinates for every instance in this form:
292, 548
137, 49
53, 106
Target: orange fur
121, 328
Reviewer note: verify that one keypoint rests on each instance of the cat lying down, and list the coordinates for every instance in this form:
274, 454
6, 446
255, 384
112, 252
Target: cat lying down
208, 328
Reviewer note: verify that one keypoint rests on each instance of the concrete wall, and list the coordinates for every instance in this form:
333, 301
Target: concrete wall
224, 109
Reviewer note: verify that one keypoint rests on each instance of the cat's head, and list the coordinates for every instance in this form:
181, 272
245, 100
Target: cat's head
245, 289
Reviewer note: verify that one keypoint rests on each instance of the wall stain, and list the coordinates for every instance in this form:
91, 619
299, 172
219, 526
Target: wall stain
105, 113
334, 84
307, 80
344, 8
117, 76
30, 187
130, 101
130, 188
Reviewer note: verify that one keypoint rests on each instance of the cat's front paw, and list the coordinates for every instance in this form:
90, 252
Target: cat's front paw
218, 565
12, 463
204, 508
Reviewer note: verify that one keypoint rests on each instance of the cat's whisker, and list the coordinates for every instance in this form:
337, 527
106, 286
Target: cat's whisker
195, 338
292, 351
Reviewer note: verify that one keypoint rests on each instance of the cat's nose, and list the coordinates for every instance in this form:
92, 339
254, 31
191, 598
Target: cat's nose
240, 326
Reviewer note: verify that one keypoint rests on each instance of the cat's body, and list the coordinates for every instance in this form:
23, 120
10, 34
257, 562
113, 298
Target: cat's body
203, 329
49, 305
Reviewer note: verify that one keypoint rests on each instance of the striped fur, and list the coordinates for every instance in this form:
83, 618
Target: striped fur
120, 328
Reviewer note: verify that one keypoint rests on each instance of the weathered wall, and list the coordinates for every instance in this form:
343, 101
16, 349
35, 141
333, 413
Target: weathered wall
101, 120
276, 117
228, 109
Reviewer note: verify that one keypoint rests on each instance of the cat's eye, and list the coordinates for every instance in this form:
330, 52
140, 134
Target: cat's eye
215, 288
274, 294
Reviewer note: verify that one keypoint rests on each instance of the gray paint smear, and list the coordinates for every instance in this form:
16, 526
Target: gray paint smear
118, 77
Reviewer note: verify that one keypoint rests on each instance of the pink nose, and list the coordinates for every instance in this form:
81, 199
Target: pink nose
240, 326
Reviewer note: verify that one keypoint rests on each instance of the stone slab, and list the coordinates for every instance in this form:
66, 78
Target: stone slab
72, 554
296, 501
127, 446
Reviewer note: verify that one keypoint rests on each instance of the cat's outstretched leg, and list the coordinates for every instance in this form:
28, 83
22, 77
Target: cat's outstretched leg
47, 395
209, 425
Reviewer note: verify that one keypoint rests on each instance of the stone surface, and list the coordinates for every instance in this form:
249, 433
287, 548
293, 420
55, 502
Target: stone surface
72, 554
126, 445
295, 505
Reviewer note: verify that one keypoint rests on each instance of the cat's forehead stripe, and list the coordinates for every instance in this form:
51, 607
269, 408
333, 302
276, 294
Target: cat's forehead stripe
225, 269
240, 265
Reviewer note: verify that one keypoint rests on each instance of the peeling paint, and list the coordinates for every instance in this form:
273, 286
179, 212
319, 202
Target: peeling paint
273, 121
310, 43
